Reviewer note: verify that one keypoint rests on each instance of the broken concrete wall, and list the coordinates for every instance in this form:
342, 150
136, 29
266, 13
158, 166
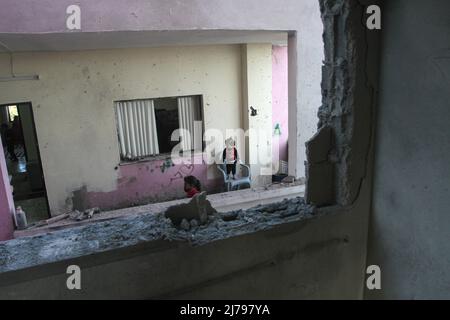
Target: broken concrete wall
320, 257
320, 187
259, 255
349, 81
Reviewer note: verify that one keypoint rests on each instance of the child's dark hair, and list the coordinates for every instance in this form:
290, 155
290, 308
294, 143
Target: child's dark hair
193, 181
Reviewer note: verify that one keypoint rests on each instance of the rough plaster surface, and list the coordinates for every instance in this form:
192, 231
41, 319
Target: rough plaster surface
409, 234
320, 172
349, 79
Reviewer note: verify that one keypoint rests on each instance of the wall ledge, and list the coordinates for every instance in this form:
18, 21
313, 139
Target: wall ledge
145, 231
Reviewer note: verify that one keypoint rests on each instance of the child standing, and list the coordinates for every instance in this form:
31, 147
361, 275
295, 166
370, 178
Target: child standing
230, 157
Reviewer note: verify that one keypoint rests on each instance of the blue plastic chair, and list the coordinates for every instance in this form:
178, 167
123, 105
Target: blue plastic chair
235, 184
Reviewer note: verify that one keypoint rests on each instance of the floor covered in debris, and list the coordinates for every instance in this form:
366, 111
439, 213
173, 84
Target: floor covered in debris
222, 202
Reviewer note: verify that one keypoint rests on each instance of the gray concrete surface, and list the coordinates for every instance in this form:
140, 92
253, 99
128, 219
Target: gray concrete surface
409, 234
318, 257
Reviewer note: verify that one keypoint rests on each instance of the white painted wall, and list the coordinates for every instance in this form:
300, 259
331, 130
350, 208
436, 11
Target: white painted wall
73, 102
258, 94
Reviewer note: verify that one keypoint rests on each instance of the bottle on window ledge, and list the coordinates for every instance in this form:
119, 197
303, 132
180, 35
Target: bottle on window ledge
21, 218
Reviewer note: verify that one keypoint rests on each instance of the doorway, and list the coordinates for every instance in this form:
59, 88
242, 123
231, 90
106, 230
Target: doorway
23, 160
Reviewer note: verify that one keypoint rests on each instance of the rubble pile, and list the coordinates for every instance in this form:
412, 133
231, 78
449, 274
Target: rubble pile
130, 231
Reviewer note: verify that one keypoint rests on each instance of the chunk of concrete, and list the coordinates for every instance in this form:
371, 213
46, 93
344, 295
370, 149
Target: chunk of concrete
199, 208
319, 147
288, 179
185, 225
194, 223
320, 189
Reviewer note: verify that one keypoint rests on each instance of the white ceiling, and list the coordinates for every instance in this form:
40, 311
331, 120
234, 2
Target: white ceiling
132, 39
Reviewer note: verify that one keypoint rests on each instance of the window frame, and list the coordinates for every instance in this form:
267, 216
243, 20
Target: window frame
165, 155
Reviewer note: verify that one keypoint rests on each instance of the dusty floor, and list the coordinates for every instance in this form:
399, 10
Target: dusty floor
223, 202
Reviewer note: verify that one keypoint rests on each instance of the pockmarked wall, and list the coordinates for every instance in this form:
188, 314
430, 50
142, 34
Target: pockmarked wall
73, 105
280, 103
257, 94
409, 230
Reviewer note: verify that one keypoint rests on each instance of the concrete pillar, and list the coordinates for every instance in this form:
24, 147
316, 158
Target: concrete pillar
6, 201
257, 94
296, 169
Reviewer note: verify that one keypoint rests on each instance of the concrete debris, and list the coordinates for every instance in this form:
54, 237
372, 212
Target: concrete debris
75, 215
49, 221
230, 216
185, 225
129, 231
199, 208
87, 214
194, 223
273, 208
90, 212
288, 179
285, 209
57, 218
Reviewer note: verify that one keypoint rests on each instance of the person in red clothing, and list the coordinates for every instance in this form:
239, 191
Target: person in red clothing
192, 186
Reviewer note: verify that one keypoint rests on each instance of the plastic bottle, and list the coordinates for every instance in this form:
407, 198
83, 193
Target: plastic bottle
21, 218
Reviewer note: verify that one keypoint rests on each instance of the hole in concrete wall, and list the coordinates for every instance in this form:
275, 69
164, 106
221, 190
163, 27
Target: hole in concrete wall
334, 168
337, 154
339, 146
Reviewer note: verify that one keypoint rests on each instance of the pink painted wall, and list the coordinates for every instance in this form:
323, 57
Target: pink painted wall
152, 181
280, 99
6, 201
